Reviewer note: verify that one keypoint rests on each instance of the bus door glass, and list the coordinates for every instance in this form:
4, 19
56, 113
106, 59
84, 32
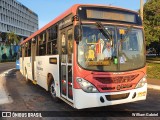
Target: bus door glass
66, 64
33, 54
22, 69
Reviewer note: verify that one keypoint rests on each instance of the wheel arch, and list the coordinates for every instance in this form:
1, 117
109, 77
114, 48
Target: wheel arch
50, 78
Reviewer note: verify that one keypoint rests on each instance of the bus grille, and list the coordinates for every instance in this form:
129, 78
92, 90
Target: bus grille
119, 79
117, 97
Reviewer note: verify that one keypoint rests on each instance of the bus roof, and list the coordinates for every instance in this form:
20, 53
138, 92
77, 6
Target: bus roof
67, 12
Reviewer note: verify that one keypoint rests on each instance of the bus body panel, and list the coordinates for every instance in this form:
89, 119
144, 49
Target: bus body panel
27, 67
44, 66
87, 100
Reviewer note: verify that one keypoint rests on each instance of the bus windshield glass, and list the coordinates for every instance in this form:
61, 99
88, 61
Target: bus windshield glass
122, 51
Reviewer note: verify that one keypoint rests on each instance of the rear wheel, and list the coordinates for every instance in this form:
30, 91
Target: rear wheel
26, 76
53, 91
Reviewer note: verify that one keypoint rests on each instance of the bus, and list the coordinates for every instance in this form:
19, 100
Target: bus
17, 63
17, 60
89, 56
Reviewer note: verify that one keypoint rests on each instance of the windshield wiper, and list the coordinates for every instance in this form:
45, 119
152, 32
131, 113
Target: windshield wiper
104, 31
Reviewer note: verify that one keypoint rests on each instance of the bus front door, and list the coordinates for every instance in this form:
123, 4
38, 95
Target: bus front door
22, 69
66, 64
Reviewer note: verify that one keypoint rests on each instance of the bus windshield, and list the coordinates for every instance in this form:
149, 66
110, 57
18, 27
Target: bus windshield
122, 51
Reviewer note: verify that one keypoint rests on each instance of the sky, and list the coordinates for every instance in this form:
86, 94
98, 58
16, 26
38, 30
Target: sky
47, 10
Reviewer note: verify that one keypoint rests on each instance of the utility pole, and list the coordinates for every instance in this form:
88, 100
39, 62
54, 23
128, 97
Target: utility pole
141, 9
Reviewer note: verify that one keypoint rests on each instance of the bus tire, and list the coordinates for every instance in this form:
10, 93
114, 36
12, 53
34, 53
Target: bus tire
26, 76
53, 91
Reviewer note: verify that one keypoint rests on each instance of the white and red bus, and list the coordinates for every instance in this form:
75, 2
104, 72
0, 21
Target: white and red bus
89, 56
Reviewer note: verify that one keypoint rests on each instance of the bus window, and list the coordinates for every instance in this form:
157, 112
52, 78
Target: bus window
64, 51
42, 44
26, 50
70, 46
52, 41
29, 49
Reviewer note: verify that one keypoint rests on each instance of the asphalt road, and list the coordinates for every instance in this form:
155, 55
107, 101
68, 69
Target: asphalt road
29, 97
6, 66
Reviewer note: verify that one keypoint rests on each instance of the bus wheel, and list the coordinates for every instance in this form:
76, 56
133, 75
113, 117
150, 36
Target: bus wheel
26, 75
53, 92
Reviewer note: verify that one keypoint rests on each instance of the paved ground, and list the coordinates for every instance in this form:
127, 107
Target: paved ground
5, 68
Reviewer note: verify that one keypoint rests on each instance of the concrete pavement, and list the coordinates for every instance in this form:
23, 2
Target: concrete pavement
151, 61
4, 95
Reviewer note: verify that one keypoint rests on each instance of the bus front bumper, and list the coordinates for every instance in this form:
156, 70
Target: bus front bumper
87, 100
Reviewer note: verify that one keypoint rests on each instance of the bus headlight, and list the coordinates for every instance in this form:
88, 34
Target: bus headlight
141, 82
87, 86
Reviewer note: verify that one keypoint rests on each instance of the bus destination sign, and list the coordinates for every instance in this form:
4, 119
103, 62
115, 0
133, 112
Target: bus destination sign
110, 15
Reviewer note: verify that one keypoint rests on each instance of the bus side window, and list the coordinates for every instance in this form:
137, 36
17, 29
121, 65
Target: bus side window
29, 48
54, 46
20, 52
42, 44
26, 50
18, 56
52, 41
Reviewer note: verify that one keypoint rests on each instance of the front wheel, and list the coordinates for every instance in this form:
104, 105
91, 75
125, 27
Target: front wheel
53, 92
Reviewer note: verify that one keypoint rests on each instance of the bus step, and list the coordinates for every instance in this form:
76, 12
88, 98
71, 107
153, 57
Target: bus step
34, 82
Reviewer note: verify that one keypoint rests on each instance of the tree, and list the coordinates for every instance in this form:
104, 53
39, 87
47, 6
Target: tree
152, 21
12, 38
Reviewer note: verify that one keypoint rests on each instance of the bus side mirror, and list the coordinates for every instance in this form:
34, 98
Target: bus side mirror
77, 33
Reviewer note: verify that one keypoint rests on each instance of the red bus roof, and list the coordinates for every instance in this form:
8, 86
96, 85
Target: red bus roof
69, 11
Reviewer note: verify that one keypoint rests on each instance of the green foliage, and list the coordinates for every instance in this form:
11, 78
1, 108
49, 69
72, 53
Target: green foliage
12, 38
152, 21
153, 70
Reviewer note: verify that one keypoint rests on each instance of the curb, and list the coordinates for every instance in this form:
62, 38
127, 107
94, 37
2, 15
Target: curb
150, 61
156, 87
4, 95
9, 72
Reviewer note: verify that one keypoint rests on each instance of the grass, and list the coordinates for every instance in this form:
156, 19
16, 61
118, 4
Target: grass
153, 70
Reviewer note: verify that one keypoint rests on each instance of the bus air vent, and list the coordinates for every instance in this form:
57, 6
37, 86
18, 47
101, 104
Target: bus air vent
108, 88
118, 79
117, 97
